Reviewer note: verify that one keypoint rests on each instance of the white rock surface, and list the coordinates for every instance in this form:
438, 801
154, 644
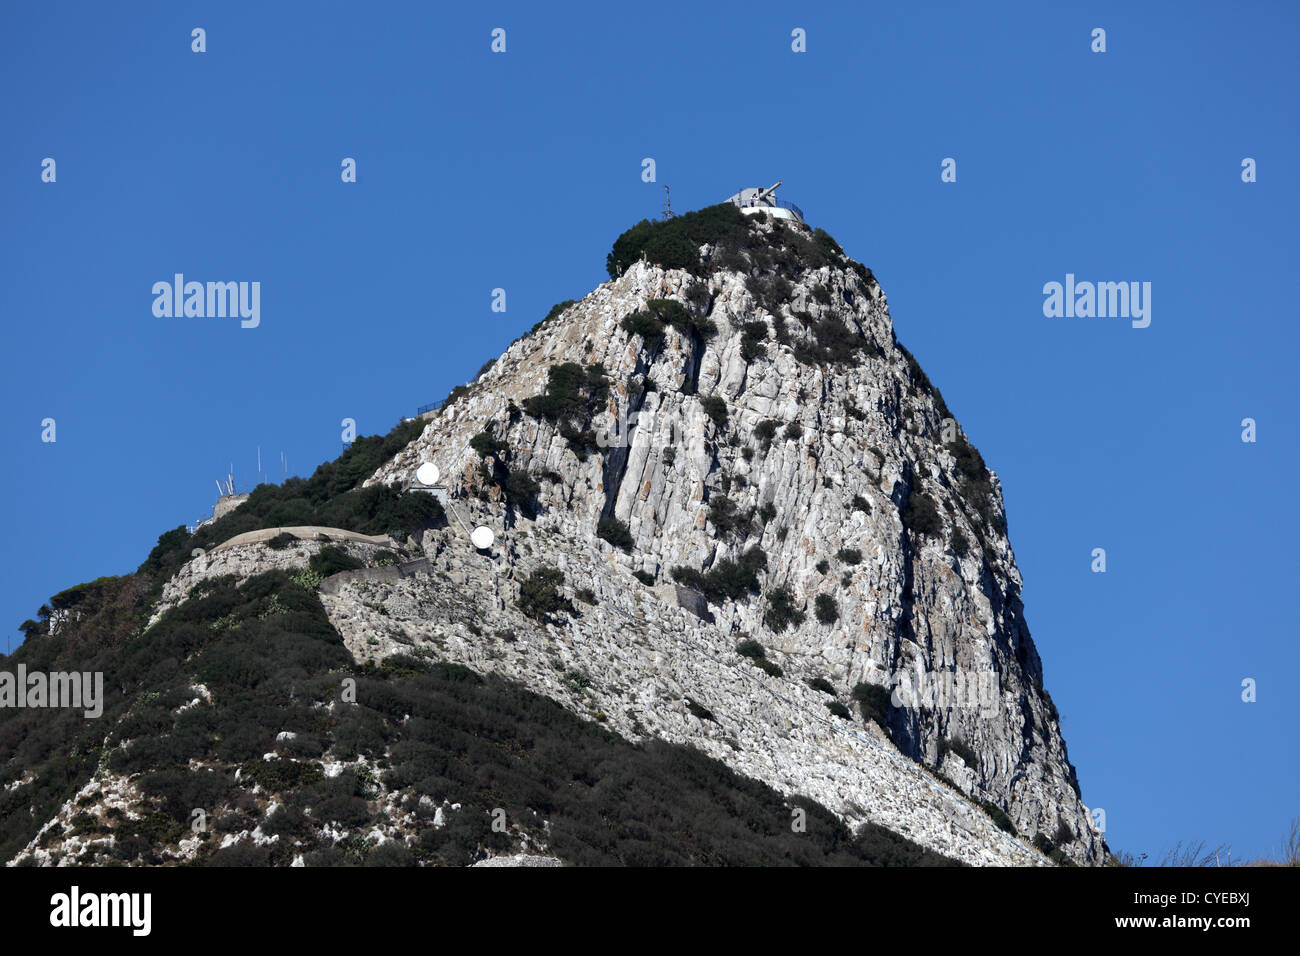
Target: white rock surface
867, 432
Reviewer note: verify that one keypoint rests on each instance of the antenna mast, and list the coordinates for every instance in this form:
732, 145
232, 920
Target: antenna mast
668, 203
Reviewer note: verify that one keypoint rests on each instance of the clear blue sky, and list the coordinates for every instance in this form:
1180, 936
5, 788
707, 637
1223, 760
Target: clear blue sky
518, 170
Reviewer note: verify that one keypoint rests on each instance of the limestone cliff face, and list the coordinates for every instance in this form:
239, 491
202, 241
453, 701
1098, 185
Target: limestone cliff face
851, 479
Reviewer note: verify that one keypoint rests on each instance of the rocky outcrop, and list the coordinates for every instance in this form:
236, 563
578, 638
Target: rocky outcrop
863, 495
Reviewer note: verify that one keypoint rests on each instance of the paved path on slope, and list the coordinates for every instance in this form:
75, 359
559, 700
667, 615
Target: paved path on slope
306, 533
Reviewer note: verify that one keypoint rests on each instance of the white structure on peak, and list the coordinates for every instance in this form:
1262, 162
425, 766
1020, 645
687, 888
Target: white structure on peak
752, 201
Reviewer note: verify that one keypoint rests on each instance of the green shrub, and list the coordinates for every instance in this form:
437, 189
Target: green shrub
794, 430
565, 396
771, 292
729, 578
243, 853
920, 516
831, 342
539, 595
716, 409
727, 518
646, 325
671, 312
286, 821
615, 532
329, 498
675, 243
921, 381
781, 611
752, 649
827, 612
700, 711
645, 577
767, 512
281, 541
873, 700
960, 546
752, 339
389, 853
999, 817
487, 446
839, 710
860, 503
975, 481
822, 684
331, 560
849, 556
456, 394
829, 246
522, 490
277, 776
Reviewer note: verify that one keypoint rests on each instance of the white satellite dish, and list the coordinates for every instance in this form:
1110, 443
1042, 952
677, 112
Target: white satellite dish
482, 537
427, 474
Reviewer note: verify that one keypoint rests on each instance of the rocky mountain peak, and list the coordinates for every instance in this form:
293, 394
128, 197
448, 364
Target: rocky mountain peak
706, 546
725, 445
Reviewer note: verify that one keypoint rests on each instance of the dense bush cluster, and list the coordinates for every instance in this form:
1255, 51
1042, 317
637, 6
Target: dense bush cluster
443, 732
675, 243
920, 382
329, 498
999, 817
519, 487
330, 560
921, 516
874, 702
755, 652
615, 532
539, 595
752, 336
975, 482
716, 408
659, 314
573, 395
728, 578
728, 518
781, 610
831, 342
570, 389
823, 685
281, 541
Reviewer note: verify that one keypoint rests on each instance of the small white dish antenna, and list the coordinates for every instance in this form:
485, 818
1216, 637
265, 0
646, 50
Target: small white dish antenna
482, 538
427, 474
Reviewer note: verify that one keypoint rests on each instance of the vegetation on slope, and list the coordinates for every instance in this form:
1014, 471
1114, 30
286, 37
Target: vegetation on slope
419, 733
330, 497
